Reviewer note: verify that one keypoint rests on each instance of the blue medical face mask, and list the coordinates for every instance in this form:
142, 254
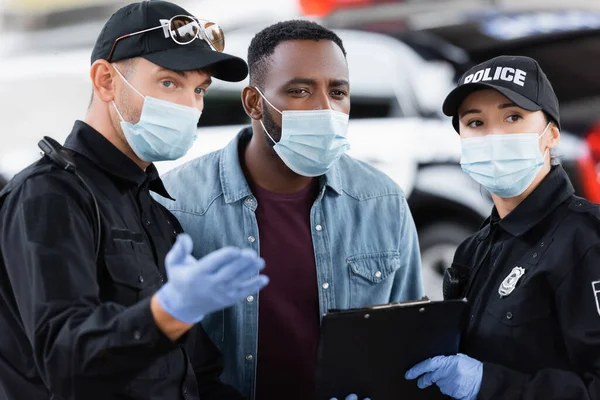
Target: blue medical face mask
505, 165
165, 131
311, 140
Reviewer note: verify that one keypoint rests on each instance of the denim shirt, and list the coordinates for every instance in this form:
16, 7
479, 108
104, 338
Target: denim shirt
364, 237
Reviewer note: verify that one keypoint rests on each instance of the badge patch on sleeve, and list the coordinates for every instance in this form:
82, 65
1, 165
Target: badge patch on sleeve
596, 288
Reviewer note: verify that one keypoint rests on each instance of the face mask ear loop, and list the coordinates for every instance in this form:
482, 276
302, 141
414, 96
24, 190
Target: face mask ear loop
539, 137
263, 125
275, 108
117, 110
128, 84
545, 130
268, 102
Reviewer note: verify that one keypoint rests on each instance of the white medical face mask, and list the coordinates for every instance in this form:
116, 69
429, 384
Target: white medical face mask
165, 131
311, 140
505, 165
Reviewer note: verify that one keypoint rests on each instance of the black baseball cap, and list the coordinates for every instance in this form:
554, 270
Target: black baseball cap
518, 78
158, 49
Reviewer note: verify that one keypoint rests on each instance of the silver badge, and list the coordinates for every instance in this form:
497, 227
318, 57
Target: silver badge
509, 284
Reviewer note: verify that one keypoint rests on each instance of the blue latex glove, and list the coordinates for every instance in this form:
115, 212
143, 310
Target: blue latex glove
352, 397
196, 288
457, 376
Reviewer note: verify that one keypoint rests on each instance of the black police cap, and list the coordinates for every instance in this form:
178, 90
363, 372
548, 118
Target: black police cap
157, 46
518, 78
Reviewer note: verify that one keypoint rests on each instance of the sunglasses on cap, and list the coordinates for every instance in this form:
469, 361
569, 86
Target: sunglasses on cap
184, 29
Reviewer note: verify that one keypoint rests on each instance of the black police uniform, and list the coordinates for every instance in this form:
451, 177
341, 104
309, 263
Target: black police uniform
76, 327
542, 340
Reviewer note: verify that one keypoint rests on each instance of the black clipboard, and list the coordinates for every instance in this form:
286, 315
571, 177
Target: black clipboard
367, 351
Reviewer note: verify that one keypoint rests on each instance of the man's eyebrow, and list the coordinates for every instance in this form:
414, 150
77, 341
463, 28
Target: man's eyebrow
301, 81
310, 81
471, 111
207, 81
507, 105
339, 82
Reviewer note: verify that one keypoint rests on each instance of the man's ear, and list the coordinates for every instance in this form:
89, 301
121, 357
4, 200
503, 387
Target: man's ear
252, 103
102, 75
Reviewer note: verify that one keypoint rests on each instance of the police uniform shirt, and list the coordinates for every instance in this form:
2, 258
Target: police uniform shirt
80, 328
534, 297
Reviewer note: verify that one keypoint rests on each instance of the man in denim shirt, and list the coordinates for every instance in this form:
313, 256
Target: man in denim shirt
335, 232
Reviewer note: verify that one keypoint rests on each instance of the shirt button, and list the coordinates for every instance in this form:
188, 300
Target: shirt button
509, 315
319, 228
162, 278
534, 255
250, 299
249, 357
251, 239
137, 335
249, 201
325, 286
148, 222
378, 274
141, 279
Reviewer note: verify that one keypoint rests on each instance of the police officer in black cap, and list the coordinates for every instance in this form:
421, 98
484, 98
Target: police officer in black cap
532, 273
99, 294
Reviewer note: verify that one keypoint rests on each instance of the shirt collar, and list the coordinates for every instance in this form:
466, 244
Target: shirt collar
551, 192
333, 179
233, 181
88, 142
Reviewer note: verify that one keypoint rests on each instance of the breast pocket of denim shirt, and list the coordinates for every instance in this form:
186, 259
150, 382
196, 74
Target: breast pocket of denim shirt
371, 277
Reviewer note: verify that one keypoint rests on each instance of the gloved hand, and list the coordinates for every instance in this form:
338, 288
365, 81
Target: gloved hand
352, 397
457, 376
199, 287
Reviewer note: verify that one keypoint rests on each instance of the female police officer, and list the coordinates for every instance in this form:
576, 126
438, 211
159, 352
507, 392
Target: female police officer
532, 273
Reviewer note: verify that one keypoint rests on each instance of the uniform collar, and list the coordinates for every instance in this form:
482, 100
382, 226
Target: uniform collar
551, 192
233, 181
88, 142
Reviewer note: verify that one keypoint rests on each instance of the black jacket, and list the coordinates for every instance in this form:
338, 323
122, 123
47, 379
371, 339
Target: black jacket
542, 340
76, 327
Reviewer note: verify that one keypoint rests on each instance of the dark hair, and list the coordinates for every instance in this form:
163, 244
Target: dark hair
264, 43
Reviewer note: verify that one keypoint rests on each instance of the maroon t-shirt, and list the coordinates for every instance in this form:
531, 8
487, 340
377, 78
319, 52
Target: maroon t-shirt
288, 322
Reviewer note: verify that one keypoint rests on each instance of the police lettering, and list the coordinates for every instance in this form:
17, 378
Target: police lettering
507, 74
